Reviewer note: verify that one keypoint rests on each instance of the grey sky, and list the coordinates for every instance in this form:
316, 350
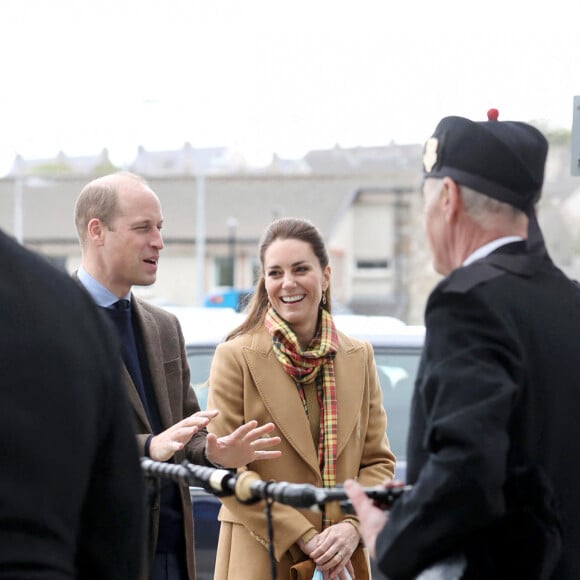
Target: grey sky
269, 76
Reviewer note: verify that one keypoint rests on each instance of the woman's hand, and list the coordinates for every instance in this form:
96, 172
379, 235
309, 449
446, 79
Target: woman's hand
246, 444
331, 550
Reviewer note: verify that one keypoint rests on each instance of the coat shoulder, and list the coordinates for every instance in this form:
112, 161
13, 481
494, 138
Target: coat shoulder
350, 343
162, 317
255, 340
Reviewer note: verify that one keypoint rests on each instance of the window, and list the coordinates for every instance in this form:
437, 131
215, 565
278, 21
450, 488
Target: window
224, 271
381, 264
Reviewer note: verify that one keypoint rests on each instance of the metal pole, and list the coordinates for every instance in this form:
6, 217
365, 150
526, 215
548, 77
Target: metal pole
200, 238
232, 226
18, 213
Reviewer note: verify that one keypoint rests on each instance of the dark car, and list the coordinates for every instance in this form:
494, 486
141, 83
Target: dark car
397, 348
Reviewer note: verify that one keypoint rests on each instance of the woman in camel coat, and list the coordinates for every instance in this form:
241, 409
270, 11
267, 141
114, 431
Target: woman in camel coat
288, 364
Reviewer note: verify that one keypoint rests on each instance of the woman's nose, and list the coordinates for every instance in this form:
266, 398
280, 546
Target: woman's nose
288, 280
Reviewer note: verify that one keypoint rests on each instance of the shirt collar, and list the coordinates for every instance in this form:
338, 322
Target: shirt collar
490, 247
101, 295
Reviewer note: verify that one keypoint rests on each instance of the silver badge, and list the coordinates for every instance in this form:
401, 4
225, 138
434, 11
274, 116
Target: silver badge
430, 153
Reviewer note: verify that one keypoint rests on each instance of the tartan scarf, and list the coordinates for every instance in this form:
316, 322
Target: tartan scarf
304, 366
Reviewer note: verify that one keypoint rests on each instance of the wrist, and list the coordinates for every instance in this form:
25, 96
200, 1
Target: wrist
147, 447
211, 463
354, 522
308, 536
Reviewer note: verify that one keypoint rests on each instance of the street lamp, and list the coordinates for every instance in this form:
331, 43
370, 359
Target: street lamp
232, 224
200, 236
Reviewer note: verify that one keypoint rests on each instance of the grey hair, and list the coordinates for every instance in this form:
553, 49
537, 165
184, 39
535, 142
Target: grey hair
484, 210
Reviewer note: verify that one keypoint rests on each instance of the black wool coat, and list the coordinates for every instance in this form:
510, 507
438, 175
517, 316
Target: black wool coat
72, 497
495, 426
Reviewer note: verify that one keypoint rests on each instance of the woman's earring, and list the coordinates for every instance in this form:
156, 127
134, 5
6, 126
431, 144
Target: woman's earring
324, 297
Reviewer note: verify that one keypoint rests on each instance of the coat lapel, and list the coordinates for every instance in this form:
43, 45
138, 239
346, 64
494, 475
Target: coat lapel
349, 371
152, 337
135, 399
280, 396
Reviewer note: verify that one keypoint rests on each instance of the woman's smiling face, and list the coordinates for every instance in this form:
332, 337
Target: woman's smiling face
295, 282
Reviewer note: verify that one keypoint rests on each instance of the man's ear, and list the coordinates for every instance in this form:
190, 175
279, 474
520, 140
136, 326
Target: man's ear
451, 200
95, 229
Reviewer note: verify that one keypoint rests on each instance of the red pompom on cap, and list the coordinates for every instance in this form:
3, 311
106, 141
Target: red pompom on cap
492, 115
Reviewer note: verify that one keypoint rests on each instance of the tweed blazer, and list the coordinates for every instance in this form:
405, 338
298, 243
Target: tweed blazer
248, 382
175, 397
170, 376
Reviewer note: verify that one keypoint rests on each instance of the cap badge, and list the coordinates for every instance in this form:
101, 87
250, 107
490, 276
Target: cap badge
430, 153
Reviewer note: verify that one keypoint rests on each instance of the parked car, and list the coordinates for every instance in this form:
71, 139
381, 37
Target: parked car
227, 297
397, 348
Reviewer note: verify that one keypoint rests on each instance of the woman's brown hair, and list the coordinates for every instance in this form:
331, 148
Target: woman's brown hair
281, 229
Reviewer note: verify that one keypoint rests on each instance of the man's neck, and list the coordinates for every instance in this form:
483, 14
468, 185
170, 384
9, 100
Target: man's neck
102, 295
471, 236
490, 247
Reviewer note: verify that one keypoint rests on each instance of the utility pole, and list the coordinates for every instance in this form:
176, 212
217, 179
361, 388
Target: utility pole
200, 238
18, 209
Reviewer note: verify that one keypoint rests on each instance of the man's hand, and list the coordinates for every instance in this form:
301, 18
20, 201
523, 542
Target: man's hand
164, 445
372, 519
246, 444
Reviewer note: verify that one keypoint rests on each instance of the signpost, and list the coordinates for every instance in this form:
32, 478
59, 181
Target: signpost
575, 146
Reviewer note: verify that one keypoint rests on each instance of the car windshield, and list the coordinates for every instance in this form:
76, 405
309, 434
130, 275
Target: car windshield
199, 359
397, 369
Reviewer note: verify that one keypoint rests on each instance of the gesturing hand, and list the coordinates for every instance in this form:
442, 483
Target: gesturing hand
372, 519
246, 444
164, 445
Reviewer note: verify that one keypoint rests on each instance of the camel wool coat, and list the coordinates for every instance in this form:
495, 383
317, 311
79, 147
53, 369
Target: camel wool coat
248, 382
